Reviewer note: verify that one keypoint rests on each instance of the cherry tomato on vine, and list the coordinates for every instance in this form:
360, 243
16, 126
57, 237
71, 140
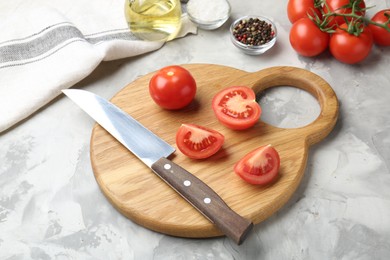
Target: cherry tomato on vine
349, 48
339, 7
260, 166
381, 36
198, 142
172, 87
236, 107
297, 9
307, 39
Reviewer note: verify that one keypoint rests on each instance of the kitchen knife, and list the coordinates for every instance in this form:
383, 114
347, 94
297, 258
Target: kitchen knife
154, 152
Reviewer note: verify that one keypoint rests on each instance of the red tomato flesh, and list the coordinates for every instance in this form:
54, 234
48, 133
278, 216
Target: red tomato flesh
172, 87
198, 142
236, 107
261, 166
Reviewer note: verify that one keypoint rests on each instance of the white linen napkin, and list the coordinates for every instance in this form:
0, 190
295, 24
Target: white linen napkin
46, 46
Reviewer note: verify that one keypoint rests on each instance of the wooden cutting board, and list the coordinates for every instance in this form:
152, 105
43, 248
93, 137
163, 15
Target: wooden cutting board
142, 197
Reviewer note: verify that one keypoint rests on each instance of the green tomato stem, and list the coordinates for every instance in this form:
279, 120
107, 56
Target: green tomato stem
355, 25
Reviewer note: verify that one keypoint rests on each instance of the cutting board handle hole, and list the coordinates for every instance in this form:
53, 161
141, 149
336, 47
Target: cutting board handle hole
282, 107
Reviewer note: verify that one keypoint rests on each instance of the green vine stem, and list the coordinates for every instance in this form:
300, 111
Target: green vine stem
354, 24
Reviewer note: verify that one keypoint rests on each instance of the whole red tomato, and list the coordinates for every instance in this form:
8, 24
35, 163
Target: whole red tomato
349, 48
339, 7
381, 36
307, 39
172, 87
297, 9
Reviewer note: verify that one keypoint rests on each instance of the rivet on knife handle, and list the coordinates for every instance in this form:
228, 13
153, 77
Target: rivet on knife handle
204, 199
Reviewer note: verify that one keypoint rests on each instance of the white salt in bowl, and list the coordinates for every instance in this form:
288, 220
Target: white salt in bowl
208, 14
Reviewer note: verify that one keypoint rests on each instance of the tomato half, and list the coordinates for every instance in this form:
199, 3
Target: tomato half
261, 166
381, 36
236, 107
340, 7
172, 87
297, 9
198, 142
349, 48
307, 39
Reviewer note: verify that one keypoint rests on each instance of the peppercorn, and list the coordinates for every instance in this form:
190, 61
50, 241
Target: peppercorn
253, 32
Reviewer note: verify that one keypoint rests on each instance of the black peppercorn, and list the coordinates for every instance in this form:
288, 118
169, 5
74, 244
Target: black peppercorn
253, 32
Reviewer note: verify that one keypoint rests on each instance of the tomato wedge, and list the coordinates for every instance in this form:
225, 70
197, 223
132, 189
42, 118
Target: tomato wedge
198, 142
236, 107
261, 166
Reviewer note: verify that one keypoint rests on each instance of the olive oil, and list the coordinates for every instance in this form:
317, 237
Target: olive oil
153, 20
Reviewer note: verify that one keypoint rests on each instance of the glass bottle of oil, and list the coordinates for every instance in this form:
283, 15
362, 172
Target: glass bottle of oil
153, 20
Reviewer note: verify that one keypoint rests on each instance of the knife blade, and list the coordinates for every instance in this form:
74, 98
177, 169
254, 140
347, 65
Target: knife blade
138, 139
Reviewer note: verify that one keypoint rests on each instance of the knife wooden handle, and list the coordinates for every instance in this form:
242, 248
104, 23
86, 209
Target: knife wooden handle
204, 199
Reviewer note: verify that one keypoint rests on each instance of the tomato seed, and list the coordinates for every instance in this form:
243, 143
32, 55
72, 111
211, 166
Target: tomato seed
204, 144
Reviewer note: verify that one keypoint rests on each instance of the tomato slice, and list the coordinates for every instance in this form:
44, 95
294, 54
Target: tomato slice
198, 142
261, 166
236, 107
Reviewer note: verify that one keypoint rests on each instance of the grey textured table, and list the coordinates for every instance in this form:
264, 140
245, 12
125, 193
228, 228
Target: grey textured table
52, 208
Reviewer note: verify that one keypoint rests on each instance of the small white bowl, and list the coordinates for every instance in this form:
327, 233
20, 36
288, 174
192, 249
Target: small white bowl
253, 49
209, 24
